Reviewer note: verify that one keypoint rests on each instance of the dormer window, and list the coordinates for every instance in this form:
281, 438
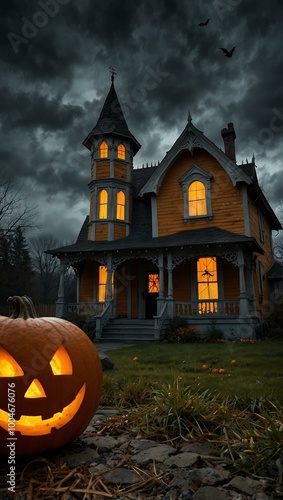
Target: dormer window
196, 184
103, 150
121, 152
121, 202
103, 202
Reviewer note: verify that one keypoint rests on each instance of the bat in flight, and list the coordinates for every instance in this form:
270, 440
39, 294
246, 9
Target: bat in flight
228, 53
204, 24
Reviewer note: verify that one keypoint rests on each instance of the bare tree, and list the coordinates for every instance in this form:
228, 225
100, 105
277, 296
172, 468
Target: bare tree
14, 208
45, 265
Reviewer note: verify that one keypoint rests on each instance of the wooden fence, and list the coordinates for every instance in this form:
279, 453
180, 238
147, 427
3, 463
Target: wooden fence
41, 310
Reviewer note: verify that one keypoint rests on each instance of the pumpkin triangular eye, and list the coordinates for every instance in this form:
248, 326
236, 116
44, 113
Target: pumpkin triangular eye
8, 365
61, 363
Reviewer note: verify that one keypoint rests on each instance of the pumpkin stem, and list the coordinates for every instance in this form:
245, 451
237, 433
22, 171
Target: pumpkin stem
22, 307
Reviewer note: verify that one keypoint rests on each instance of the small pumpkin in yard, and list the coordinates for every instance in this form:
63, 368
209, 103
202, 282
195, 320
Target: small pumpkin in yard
135, 358
205, 367
50, 380
215, 370
222, 371
233, 362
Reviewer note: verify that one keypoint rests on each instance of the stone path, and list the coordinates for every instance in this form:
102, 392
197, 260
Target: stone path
192, 471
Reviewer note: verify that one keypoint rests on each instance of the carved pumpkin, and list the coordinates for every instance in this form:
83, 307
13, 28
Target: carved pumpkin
50, 376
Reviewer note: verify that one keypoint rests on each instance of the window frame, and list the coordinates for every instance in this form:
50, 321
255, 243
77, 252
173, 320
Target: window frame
103, 146
194, 174
104, 204
121, 147
119, 205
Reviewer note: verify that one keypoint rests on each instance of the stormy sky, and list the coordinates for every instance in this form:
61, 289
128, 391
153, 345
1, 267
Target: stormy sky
55, 57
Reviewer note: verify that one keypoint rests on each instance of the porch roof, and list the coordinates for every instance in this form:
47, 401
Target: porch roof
189, 238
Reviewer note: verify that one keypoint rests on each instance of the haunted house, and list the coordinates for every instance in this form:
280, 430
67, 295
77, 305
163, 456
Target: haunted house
189, 237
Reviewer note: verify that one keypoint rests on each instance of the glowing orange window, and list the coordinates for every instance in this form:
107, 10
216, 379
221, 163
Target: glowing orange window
197, 199
121, 152
103, 150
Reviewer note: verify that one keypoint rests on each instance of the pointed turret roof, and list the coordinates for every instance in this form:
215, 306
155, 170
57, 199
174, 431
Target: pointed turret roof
112, 122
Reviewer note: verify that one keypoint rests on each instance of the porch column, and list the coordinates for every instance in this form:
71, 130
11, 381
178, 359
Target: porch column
60, 303
109, 279
244, 307
170, 298
160, 298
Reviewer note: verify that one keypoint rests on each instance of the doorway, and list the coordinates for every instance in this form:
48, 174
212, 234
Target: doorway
151, 293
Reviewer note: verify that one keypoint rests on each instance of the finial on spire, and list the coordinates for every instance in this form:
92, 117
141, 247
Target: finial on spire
113, 72
189, 117
253, 159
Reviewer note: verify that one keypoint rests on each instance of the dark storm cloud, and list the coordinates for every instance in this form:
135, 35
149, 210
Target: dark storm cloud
54, 61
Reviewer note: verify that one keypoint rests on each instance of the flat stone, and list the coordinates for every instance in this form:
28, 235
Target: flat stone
209, 476
182, 460
157, 453
212, 493
102, 441
142, 444
245, 485
121, 476
202, 448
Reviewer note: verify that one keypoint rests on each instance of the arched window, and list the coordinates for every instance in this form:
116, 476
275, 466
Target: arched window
103, 150
121, 202
207, 285
102, 283
197, 199
103, 201
121, 152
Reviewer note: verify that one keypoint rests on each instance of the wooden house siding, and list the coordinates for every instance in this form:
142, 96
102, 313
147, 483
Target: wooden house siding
231, 284
101, 232
226, 200
119, 231
120, 170
102, 170
182, 282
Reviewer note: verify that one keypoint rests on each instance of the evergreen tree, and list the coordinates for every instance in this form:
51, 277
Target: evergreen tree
21, 262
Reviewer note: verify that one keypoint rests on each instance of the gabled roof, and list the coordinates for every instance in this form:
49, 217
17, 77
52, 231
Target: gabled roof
192, 138
112, 122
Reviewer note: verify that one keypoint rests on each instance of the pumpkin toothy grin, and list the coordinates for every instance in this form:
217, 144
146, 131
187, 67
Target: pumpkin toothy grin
35, 426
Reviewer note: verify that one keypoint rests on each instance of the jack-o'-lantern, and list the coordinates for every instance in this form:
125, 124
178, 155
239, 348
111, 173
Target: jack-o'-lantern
50, 380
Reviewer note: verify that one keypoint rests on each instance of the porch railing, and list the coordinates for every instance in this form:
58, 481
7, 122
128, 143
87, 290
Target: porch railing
103, 318
92, 308
159, 320
205, 307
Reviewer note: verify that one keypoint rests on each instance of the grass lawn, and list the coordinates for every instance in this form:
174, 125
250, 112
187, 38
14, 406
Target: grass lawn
257, 374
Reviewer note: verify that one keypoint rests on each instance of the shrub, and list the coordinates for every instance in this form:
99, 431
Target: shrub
214, 334
180, 331
83, 321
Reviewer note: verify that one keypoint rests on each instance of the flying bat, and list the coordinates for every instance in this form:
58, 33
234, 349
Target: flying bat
228, 53
204, 24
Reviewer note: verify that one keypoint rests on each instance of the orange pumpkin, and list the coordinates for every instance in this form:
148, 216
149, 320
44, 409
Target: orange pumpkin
135, 358
222, 371
215, 370
233, 362
205, 367
50, 378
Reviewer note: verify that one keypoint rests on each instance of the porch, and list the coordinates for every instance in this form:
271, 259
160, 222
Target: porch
201, 314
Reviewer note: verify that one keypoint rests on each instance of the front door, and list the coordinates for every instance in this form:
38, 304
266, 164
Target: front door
151, 293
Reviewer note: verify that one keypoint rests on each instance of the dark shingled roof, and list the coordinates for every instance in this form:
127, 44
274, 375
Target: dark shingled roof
112, 122
276, 271
187, 238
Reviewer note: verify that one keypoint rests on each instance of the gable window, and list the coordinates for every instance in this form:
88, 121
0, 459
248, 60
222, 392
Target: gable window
207, 285
102, 283
196, 199
121, 152
103, 202
121, 201
196, 186
103, 150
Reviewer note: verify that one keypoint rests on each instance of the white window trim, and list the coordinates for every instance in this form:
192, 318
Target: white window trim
196, 173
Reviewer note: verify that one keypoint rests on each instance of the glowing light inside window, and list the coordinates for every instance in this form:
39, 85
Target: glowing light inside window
103, 150
153, 283
121, 152
207, 284
121, 200
197, 199
103, 201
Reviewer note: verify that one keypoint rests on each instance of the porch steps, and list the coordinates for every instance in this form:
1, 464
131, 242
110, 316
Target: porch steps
128, 330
